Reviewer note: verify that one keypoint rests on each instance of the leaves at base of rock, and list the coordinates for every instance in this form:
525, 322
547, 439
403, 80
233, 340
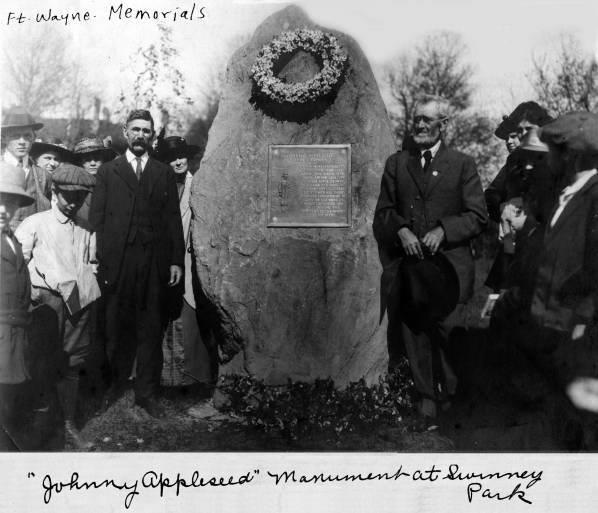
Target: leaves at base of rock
298, 409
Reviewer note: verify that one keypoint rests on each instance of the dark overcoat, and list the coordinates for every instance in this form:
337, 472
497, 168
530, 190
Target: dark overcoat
449, 194
111, 212
566, 285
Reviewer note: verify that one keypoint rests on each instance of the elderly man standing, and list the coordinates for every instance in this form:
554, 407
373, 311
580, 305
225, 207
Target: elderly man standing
17, 137
140, 249
431, 201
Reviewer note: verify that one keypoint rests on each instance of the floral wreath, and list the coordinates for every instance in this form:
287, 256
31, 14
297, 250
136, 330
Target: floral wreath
323, 46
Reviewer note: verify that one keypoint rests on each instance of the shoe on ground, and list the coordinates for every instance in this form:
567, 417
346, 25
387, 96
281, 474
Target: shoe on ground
151, 406
74, 439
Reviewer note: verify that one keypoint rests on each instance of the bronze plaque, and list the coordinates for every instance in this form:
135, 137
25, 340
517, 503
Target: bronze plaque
309, 185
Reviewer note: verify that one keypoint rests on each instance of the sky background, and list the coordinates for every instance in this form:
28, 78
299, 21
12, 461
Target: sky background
501, 36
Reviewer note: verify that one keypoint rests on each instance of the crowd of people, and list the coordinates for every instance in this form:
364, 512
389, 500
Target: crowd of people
543, 307
97, 267
96, 278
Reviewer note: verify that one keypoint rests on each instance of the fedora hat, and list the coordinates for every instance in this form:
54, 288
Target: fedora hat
12, 181
429, 289
18, 117
87, 145
173, 147
53, 144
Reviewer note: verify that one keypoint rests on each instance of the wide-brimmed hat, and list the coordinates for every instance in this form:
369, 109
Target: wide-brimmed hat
173, 147
429, 289
53, 144
577, 131
530, 111
505, 127
18, 117
12, 181
87, 145
69, 177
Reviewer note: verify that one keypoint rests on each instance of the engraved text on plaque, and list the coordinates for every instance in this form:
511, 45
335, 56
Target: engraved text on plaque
309, 185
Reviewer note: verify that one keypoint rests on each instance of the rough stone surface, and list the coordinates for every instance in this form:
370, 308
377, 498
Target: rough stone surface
299, 303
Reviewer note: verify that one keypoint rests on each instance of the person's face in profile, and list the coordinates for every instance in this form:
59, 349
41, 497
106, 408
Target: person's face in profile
512, 141
139, 134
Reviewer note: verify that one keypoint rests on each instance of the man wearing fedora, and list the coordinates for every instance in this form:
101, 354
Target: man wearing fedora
141, 250
15, 298
18, 133
431, 205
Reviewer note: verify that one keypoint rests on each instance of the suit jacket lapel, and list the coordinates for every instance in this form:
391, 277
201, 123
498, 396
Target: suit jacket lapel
125, 171
150, 175
437, 168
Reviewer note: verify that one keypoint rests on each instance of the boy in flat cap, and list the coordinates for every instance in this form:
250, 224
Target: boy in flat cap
18, 132
14, 311
60, 249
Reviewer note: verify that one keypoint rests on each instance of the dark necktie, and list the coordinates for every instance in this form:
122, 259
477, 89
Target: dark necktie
427, 159
138, 169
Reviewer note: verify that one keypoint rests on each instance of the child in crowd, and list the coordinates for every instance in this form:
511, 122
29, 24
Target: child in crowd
60, 249
14, 312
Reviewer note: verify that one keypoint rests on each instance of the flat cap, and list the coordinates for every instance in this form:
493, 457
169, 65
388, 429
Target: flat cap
73, 178
577, 131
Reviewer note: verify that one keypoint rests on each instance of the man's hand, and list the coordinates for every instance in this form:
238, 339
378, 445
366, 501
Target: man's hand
410, 243
433, 239
176, 273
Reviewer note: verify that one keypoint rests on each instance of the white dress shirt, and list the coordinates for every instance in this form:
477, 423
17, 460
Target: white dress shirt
9, 158
132, 159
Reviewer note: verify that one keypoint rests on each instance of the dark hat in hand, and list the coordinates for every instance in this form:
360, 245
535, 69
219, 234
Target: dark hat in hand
18, 117
429, 290
51, 145
69, 177
174, 147
577, 131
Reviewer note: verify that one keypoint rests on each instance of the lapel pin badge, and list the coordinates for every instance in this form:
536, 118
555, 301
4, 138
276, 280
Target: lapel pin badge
434, 173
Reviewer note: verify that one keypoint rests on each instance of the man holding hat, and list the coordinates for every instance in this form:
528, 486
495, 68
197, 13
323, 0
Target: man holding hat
14, 312
431, 202
18, 133
60, 249
141, 251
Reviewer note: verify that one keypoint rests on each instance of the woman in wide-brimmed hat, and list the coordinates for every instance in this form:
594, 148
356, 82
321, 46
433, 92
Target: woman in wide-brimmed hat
49, 154
91, 152
197, 367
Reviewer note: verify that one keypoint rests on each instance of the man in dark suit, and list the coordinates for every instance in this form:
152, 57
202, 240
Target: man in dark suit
140, 248
430, 199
